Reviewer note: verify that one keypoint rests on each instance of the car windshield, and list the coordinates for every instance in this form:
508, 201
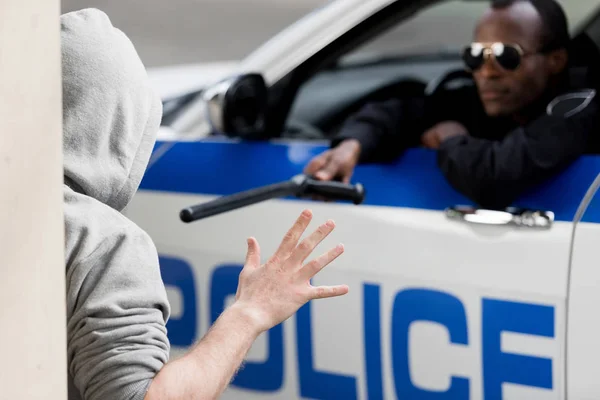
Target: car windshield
445, 27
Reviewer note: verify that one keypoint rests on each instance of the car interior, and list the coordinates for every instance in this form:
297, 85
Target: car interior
314, 100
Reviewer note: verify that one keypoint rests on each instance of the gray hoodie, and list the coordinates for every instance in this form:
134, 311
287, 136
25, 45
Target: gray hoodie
117, 305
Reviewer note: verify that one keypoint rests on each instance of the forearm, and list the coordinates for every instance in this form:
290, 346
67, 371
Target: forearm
491, 174
384, 130
205, 372
494, 174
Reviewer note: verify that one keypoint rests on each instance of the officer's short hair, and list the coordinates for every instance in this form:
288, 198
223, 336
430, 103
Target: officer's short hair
555, 33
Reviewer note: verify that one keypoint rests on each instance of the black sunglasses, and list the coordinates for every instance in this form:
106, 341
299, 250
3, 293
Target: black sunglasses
507, 56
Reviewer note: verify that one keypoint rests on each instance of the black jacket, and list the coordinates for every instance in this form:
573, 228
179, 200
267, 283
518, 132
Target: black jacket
499, 159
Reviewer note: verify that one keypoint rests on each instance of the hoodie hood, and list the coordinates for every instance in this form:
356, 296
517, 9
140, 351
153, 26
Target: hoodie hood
111, 114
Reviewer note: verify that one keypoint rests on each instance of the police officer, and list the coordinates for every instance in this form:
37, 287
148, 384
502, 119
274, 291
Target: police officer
526, 117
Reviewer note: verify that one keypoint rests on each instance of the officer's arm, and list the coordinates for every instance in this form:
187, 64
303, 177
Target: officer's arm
384, 129
494, 174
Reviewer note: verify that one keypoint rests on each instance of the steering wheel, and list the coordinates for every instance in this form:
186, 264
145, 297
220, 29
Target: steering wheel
457, 77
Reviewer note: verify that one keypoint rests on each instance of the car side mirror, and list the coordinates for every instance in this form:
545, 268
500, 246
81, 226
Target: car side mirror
237, 105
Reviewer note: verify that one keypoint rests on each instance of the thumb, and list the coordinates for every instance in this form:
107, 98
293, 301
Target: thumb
253, 253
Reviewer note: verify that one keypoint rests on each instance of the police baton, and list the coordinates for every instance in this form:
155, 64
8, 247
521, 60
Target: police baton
299, 186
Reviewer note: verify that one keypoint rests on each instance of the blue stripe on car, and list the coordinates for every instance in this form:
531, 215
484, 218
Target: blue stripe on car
413, 181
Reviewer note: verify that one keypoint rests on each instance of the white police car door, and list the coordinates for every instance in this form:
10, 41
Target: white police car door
583, 347
438, 307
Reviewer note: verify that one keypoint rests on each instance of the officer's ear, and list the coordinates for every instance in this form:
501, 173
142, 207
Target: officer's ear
557, 61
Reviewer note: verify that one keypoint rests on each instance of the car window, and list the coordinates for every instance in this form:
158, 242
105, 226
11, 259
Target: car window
446, 27
424, 47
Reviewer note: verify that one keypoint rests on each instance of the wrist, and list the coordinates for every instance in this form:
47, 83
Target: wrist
352, 146
450, 139
252, 320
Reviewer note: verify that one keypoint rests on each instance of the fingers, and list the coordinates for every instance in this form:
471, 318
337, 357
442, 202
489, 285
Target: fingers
329, 170
308, 245
430, 139
346, 177
315, 266
324, 167
317, 163
323, 292
253, 253
290, 240
426, 139
329, 165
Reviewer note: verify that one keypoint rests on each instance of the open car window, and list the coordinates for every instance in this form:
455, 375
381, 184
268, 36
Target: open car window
423, 47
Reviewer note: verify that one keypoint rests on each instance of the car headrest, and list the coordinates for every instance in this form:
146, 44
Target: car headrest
584, 54
583, 51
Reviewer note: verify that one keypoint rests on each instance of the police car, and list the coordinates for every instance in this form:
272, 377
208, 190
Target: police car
447, 301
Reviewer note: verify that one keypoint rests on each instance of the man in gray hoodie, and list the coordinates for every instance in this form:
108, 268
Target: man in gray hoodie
117, 305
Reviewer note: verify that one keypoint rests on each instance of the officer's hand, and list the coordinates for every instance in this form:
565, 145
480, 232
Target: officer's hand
338, 162
271, 293
434, 137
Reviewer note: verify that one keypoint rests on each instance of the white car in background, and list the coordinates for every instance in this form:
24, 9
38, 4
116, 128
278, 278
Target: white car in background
447, 301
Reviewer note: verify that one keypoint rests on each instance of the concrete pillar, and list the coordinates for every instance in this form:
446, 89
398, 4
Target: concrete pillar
32, 272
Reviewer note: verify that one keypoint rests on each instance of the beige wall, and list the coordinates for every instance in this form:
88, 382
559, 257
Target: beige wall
32, 287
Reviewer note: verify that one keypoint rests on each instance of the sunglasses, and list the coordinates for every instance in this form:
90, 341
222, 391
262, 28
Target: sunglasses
507, 56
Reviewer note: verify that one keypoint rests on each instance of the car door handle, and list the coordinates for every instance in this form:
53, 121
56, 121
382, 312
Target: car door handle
511, 216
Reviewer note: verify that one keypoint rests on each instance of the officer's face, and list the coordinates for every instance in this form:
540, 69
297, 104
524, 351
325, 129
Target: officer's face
519, 75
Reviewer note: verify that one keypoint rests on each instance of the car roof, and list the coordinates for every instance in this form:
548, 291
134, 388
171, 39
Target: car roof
323, 25
310, 34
